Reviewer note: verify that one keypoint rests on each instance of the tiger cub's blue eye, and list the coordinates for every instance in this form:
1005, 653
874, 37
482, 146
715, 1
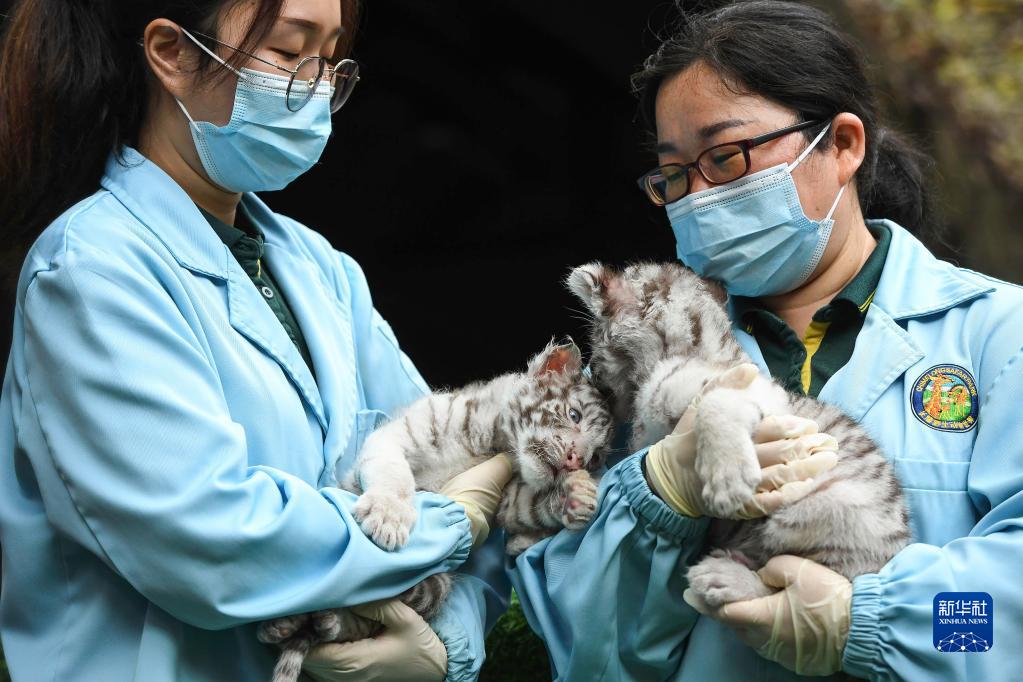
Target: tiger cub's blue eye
575, 415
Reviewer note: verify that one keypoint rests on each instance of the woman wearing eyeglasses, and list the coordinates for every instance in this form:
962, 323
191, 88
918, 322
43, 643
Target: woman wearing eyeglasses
191, 373
780, 181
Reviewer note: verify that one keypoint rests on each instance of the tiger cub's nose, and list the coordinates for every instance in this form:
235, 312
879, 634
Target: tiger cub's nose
573, 461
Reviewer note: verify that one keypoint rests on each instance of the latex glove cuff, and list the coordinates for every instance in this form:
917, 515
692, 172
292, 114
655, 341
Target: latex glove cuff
479, 492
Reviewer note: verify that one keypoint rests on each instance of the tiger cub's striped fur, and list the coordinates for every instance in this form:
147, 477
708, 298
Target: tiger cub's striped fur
552, 422
659, 334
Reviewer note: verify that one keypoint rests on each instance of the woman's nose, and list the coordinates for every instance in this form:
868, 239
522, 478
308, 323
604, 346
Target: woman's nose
697, 183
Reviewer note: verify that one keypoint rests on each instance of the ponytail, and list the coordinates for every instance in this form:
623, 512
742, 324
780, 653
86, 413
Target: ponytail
70, 83
894, 184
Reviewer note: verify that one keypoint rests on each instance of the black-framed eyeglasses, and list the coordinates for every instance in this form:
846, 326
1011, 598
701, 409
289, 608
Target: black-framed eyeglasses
717, 165
306, 77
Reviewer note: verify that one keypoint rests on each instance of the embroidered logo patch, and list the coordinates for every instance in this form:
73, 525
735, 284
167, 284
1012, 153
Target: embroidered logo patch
945, 398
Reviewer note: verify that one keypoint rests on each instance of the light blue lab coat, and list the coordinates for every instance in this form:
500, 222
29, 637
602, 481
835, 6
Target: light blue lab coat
167, 458
608, 600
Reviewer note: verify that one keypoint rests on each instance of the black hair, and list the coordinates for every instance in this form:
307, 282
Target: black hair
74, 87
796, 56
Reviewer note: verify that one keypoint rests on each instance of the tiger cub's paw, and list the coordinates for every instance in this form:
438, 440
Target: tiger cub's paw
727, 463
386, 518
326, 624
278, 630
723, 577
580, 493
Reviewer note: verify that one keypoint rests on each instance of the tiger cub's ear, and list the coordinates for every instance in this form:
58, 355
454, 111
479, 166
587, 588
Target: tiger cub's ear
562, 359
602, 288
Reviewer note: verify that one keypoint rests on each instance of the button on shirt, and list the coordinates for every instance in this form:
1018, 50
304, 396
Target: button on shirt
246, 243
805, 365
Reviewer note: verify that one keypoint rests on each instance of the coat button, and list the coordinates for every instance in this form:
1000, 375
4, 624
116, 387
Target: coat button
267, 291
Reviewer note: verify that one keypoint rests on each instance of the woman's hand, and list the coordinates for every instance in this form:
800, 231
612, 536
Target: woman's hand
407, 650
789, 448
479, 490
804, 626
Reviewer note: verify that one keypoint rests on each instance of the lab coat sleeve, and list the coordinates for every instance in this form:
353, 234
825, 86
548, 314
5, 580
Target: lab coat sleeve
890, 637
390, 380
607, 600
140, 462
478, 598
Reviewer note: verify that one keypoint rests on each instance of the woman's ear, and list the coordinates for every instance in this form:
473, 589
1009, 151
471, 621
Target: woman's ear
169, 59
850, 145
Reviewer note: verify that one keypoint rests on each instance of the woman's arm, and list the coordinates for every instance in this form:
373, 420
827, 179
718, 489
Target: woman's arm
390, 380
607, 600
892, 610
140, 462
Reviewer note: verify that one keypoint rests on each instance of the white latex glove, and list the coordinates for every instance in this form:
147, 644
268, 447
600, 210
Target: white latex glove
407, 650
479, 490
790, 450
804, 627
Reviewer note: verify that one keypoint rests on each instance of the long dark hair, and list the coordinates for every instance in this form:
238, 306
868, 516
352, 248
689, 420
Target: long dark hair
74, 88
796, 56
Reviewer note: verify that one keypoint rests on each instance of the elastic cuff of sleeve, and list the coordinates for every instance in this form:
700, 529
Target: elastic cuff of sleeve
461, 521
861, 648
659, 515
461, 666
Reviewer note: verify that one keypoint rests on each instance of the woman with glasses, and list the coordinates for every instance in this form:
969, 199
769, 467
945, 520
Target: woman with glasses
191, 373
781, 182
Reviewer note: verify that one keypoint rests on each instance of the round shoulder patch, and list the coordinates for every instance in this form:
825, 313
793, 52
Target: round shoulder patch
945, 398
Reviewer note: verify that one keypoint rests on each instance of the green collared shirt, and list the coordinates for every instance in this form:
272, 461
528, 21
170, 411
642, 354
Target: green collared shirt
805, 365
245, 241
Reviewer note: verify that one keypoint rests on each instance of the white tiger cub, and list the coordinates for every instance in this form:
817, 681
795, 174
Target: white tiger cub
554, 425
659, 334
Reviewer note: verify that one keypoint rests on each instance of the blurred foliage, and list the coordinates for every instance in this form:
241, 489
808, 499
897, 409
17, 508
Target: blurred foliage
514, 652
950, 72
5, 675
960, 57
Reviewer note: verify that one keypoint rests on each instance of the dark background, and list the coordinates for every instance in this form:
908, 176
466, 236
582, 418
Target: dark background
493, 144
489, 147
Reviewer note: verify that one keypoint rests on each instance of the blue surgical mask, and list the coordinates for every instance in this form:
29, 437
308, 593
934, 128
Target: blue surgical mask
752, 235
265, 145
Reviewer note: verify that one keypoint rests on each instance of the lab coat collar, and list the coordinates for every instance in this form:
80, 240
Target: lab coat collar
253, 318
883, 352
915, 283
167, 210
